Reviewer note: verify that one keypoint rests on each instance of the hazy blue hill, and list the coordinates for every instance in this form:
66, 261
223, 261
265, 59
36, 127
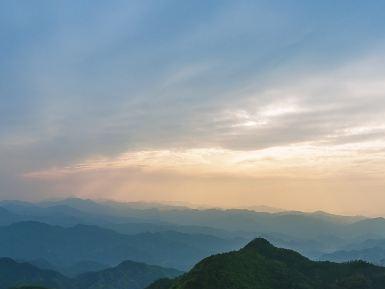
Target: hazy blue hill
369, 243
332, 217
209, 221
13, 274
146, 227
66, 246
312, 248
71, 212
127, 275
81, 268
259, 265
7, 217
312, 234
371, 228
290, 223
41, 264
70, 270
370, 250
16, 206
373, 255
29, 287
82, 205
57, 214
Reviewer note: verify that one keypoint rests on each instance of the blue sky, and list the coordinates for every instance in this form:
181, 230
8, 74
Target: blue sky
86, 80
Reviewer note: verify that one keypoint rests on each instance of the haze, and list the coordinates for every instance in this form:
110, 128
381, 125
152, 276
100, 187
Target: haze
218, 103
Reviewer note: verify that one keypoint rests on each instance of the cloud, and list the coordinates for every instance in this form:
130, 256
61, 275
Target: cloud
316, 134
189, 88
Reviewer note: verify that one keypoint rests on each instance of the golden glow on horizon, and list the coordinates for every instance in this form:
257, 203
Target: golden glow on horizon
278, 176
311, 160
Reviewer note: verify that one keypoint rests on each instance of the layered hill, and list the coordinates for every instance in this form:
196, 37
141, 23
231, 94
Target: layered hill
29, 287
375, 255
14, 274
67, 246
260, 265
315, 235
75, 211
71, 270
128, 275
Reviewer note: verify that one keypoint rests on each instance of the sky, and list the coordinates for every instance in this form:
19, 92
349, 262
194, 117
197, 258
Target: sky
217, 103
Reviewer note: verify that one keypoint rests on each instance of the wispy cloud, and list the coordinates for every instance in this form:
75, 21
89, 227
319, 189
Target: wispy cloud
235, 90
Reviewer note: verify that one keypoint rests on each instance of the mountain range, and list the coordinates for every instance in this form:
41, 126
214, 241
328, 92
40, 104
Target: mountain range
66, 246
75, 211
194, 233
371, 250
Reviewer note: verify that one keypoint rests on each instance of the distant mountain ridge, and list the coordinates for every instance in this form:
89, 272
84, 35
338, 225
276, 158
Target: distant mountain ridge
66, 246
260, 265
71, 270
316, 235
74, 211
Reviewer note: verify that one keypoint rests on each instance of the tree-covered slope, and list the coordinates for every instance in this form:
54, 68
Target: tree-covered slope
260, 265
